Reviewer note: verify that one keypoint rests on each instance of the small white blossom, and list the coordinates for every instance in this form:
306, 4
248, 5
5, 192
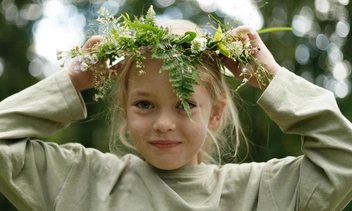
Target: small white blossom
78, 59
94, 59
248, 45
84, 66
245, 80
217, 52
199, 44
58, 54
77, 68
236, 48
141, 72
103, 11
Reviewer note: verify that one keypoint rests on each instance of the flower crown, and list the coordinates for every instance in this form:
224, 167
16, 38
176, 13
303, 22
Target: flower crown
182, 54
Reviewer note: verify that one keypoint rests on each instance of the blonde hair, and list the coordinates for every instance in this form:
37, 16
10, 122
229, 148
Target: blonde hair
211, 78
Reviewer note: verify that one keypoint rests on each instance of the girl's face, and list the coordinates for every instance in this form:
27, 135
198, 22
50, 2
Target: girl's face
159, 127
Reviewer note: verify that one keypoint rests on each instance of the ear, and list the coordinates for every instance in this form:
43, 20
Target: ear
216, 115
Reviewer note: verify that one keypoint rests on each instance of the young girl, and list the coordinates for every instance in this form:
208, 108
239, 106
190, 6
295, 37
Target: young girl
171, 174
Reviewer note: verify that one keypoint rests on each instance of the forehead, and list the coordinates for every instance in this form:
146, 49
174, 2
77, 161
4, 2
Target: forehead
151, 78
153, 81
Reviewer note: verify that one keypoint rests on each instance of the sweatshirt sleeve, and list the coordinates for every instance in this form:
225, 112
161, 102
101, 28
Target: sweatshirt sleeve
325, 170
32, 172
42, 109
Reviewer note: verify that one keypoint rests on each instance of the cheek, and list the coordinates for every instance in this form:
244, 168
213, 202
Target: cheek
196, 132
137, 126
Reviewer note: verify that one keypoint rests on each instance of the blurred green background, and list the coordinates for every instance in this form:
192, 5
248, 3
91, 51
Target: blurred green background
319, 48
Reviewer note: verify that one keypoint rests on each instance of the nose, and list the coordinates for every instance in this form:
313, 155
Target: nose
164, 122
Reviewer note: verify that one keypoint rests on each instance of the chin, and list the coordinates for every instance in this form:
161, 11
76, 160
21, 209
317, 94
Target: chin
166, 166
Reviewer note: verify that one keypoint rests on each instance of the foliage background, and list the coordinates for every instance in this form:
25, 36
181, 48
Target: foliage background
312, 54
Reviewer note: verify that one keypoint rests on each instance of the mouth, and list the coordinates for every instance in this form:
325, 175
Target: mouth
165, 144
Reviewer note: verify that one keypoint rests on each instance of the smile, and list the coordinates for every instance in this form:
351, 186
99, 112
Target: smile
165, 144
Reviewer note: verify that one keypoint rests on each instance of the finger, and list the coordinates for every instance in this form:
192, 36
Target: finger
244, 29
250, 32
92, 41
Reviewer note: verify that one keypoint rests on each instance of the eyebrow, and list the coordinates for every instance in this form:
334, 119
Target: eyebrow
141, 93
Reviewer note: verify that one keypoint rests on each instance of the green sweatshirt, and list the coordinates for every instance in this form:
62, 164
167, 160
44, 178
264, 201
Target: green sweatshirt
35, 175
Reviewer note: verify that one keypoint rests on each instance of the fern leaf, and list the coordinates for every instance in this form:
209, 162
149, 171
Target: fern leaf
169, 64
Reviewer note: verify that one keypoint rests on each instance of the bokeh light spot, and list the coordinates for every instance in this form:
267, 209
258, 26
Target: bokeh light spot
342, 28
11, 12
302, 54
344, 2
302, 22
163, 3
322, 42
112, 6
341, 70
35, 67
30, 12
341, 89
334, 53
322, 6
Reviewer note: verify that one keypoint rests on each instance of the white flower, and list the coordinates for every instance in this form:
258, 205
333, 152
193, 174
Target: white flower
94, 59
84, 66
236, 48
248, 45
141, 72
248, 48
199, 44
103, 11
77, 68
78, 59
217, 52
58, 54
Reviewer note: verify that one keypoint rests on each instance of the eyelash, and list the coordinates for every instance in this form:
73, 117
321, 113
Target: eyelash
139, 105
148, 105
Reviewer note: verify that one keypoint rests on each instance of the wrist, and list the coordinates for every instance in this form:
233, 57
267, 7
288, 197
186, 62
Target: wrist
274, 69
79, 81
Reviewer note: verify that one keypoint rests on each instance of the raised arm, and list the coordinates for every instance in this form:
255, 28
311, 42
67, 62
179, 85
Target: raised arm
321, 178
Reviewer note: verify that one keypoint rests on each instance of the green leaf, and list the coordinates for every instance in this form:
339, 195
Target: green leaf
187, 37
217, 36
161, 55
150, 17
169, 64
223, 50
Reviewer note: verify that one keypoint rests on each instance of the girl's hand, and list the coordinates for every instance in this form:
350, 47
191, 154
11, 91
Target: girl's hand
83, 80
264, 56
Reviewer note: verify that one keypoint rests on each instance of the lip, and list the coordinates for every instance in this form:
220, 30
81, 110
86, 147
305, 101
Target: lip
165, 144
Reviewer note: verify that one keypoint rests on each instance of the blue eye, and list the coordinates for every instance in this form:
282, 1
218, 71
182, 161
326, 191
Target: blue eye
144, 105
